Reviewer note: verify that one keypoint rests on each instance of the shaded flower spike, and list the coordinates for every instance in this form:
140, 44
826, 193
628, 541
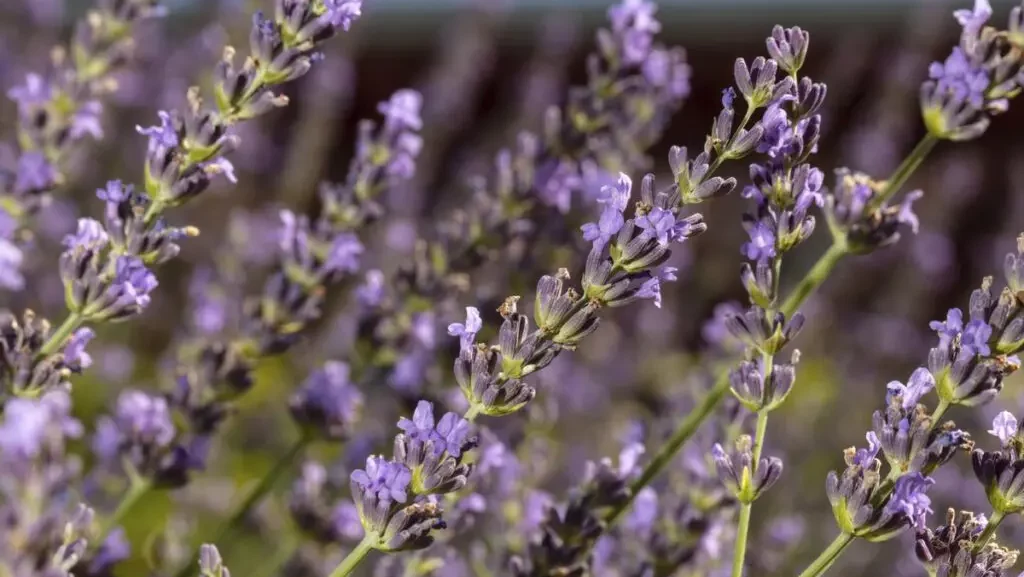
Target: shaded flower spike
909, 439
956, 549
857, 214
379, 492
741, 476
757, 393
141, 435
1002, 472
768, 336
327, 403
965, 373
857, 504
433, 453
788, 47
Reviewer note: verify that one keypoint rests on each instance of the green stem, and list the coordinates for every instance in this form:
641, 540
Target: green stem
263, 486
138, 490
828, 556
743, 523
940, 410
814, 277
990, 530
62, 334
906, 168
472, 413
353, 559
668, 451
740, 551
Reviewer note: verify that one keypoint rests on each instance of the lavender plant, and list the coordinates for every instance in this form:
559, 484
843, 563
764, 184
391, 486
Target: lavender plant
463, 491
57, 111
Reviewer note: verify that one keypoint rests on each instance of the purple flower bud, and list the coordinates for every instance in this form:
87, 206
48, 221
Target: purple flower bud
371, 292
132, 284
467, 331
662, 225
761, 247
974, 340
35, 92
728, 97
961, 78
1004, 426
90, 232
950, 329
344, 255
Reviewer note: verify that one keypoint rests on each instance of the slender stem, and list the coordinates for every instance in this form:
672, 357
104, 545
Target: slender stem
138, 489
743, 523
668, 451
353, 559
828, 556
61, 335
907, 168
472, 413
990, 530
263, 486
740, 551
814, 277
940, 410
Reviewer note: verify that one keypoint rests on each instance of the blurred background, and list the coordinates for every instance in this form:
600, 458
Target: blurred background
488, 69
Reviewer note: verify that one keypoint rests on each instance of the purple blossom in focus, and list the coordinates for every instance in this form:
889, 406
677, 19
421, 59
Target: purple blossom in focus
920, 384
865, 458
615, 200
467, 331
761, 247
74, 351
958, 76
388, 480
1004, 426
651, 288
909, 498
973, 20
449, 434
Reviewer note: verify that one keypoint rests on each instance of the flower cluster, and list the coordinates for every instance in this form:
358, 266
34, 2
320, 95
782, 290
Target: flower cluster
977, 80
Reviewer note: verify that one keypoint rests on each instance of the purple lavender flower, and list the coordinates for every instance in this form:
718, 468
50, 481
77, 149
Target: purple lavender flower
959, 77
909, 498
950, 329
36, 91
974, 339
132, 284
35, 173
651, 288
467, 331
662, 225
74, 352
90, 232
141, 424
11, 258
634, 23
1004, 426
974, 20
449, 435
761, 247
865, 458
615, 201
387, 480
328, 401
556, 182
371, 292
31, 426
342, 13
728, 97
920, 384
402, 111
163, 137
344, 254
